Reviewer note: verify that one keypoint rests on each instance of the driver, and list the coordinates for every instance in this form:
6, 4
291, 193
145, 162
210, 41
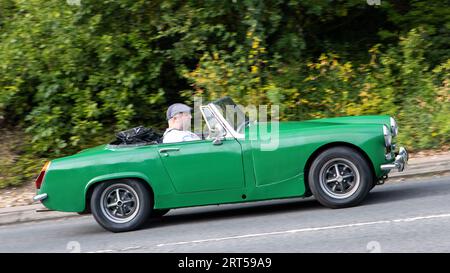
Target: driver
179, 117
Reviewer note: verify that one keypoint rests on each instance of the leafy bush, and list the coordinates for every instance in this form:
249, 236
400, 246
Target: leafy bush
72, 75
17, 162
396, 82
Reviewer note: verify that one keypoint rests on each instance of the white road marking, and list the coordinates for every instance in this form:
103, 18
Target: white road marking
102, 251
410, 219
116, 250
131, 248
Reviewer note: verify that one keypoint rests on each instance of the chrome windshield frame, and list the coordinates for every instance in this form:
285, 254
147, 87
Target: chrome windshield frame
230, 130
202, 107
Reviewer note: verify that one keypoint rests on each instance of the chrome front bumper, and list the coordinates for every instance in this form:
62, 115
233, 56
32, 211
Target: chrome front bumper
399, 163
40, 197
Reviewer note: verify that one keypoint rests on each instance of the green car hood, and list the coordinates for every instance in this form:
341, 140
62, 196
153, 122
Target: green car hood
315, 123
354, 120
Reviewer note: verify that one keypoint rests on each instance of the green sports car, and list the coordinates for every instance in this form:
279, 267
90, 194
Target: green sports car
337, 160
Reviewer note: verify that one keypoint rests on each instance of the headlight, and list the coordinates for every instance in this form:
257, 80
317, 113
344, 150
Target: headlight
387, 136
394, 127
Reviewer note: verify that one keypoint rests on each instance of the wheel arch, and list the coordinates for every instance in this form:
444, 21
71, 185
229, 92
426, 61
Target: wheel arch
327, 146
95, 182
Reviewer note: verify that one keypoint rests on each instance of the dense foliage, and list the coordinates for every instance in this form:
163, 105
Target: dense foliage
71, 75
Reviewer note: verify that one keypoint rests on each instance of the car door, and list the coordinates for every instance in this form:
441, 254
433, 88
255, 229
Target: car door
205, 165
196, 166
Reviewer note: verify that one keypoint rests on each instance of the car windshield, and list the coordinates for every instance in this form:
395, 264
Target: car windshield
232, 113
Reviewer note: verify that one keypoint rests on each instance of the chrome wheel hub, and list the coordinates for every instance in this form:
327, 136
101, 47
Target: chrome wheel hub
119, 203
339, 178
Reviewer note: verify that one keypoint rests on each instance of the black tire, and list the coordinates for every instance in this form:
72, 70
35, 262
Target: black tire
132, 211
349, 187
158, 213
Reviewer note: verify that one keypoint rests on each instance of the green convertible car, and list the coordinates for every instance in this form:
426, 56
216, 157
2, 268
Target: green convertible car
337, 160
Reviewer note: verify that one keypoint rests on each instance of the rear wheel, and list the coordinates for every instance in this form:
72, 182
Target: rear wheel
121, 206
340, 177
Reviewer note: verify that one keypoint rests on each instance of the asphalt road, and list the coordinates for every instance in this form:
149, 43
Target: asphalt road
407, 216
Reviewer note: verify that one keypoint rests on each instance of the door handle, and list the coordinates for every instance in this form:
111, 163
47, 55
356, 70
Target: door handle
164, 151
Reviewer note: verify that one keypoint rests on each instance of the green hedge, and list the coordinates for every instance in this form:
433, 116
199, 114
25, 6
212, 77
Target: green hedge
70, 76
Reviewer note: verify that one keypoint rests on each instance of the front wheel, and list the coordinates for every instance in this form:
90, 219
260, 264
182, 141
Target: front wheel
121, 206
340, 177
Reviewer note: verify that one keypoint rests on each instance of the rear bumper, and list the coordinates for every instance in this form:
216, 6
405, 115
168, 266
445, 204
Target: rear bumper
40, 197
399, 163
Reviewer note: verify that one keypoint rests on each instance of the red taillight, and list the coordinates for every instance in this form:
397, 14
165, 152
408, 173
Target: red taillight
41, 175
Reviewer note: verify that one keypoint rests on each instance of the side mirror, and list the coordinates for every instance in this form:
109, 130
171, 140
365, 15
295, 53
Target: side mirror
217, 141
219, 134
